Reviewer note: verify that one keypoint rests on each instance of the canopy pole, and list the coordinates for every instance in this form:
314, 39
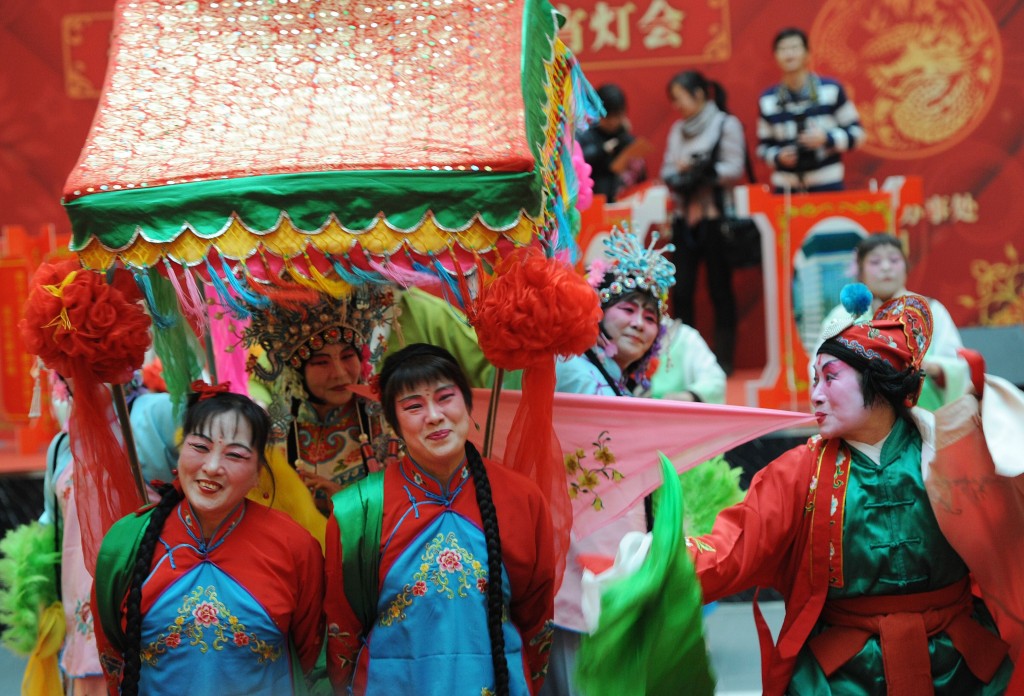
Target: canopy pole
121, 407
492, 410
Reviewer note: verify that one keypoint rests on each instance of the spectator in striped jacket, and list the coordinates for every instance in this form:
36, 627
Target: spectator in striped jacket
805, 123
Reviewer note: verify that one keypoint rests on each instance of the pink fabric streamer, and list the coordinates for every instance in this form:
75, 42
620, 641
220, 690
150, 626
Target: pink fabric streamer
634, 431
189, 298
229, 353
585, 196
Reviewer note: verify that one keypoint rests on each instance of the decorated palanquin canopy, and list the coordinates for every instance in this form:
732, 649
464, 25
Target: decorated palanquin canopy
332, 142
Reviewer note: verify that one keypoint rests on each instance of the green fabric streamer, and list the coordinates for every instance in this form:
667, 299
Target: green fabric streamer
28, 583
650, 638
176, 345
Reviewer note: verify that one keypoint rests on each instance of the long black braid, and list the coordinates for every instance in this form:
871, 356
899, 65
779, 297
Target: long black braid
169, 499
200, 411
495, 596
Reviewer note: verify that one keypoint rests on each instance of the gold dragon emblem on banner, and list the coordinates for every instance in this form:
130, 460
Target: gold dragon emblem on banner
923, 73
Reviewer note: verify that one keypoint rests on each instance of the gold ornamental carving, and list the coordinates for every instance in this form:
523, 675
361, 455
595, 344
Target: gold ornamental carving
923, 73
999, 288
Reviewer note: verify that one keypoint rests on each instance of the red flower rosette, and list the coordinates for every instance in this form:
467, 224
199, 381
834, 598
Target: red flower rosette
91, 332
535, 309
75, 322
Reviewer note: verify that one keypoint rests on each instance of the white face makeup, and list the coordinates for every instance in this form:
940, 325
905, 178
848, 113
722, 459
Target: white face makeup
434, 421
632, 327
218, 467
838, 403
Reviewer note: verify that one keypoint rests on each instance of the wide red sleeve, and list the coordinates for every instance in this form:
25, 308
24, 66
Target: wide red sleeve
307, 628
111, 659
528, 554
534, 609
757, 541
343, 627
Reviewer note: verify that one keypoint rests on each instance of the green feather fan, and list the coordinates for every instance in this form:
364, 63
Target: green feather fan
28, 583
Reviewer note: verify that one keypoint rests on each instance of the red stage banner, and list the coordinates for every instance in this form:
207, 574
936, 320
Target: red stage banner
938, 91
15, 363
638, 34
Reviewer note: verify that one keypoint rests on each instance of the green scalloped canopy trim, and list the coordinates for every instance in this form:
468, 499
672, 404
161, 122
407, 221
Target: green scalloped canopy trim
355, 198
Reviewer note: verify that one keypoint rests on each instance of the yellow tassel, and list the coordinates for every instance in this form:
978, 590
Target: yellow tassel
334, 287
317, 281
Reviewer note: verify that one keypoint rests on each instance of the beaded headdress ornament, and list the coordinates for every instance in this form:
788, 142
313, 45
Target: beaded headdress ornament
632, 266
289, 337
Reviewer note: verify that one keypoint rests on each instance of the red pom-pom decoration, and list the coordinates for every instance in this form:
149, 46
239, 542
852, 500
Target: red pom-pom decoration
90, 331
75, 321
534, 309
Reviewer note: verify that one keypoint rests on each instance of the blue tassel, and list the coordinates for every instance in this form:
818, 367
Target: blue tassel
564, 228
449, 282
258, 301
342, 272
419, 267
145, 284
224, 295
586, 103
354, 275
855, 298
572, 184
368, 276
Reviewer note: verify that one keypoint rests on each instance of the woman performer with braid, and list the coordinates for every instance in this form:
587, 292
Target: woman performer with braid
438, 556
198, 593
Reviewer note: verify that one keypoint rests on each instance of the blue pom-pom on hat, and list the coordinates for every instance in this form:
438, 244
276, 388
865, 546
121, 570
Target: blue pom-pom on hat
855, 298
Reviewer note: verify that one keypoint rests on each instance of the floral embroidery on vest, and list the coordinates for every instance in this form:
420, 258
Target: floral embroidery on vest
445, 561
202, 611
446, 565
396, 608
543, 639
83, 618
334, 632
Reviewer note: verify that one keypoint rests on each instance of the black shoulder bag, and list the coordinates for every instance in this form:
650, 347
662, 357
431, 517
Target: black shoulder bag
741, 236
